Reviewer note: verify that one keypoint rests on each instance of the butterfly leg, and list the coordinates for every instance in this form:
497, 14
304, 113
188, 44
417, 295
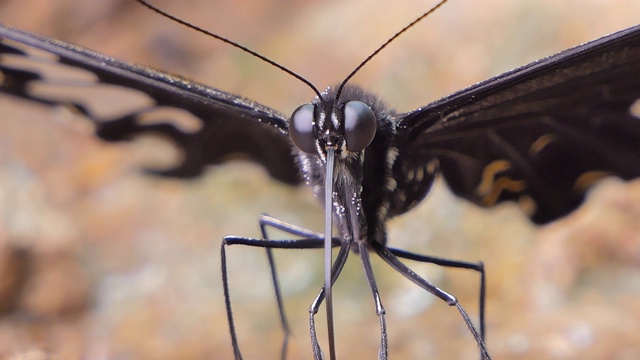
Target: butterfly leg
266, 221
476, 266
311, 240
341, 259
383, 353
336, 269
388, 256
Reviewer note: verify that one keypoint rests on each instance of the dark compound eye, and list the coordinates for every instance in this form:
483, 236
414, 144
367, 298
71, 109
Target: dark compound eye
359, 125
301, 128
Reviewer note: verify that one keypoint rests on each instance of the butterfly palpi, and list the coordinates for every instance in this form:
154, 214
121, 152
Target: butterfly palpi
513, 138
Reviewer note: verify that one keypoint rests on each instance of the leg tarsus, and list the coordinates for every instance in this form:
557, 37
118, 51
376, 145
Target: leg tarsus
390, 258
383, 352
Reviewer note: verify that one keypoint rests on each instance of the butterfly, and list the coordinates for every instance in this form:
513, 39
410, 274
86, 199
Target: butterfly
471, 188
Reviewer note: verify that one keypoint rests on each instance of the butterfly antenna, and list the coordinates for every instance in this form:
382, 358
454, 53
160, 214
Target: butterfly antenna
363, 63
230, 42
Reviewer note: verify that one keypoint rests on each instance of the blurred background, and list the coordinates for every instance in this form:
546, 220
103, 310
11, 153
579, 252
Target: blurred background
98, 261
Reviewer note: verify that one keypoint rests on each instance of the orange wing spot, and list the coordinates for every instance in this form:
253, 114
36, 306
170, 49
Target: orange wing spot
409, 175
432, 166
541, 142
503, 183
419, 174
584, 181
489, 176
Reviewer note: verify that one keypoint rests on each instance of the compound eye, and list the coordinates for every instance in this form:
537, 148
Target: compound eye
301, 128
359, 125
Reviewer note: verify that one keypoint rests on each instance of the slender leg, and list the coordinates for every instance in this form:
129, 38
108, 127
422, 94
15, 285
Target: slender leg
336, 269
227, 302
286, 331
476, 266
266, 221
383, 353
395, 263
312, 240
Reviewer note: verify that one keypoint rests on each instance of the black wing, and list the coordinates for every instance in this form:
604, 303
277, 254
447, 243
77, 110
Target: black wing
539, 135
208, 126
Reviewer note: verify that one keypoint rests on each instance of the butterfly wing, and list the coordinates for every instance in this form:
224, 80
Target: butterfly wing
539, 135
208, 126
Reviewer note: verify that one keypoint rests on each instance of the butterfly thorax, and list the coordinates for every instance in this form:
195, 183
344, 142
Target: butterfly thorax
362, 180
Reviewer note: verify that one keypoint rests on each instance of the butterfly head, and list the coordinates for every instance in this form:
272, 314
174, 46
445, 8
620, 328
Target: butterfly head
347, 127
